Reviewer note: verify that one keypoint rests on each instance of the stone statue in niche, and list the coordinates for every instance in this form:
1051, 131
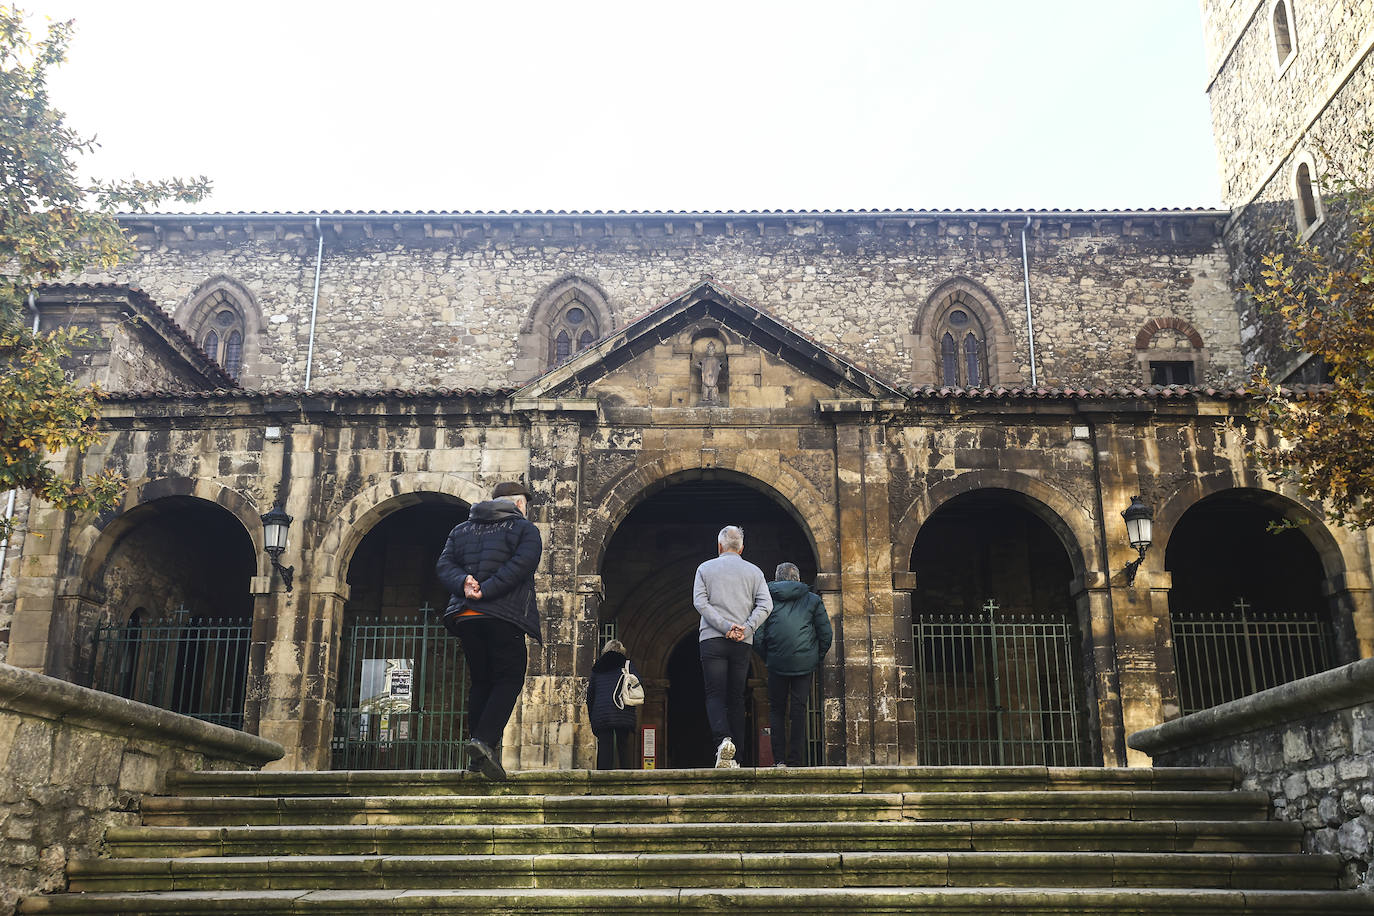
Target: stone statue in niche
711, 366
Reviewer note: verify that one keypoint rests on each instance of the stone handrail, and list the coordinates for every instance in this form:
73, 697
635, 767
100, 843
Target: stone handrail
1339, 688
61, 701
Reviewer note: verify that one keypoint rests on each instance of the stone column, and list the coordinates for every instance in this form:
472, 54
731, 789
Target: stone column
831, 673
543, 731
296, 634
1126, 463
867, 631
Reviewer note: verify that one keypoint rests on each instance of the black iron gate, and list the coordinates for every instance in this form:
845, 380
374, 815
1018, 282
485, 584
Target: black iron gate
192, 665
402, 700
999, 690
1225, 655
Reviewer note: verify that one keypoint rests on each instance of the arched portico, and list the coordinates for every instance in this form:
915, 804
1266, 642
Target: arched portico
1259, 592
647, 572
997, 620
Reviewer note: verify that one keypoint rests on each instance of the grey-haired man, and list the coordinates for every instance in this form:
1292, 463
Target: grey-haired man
731, 595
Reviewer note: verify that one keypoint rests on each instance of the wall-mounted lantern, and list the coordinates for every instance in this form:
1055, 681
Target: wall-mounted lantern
275, 525
1140, 523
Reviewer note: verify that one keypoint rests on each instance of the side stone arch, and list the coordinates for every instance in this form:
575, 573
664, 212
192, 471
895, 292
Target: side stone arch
1340, 554
924, 339
533, 347
814, 515
350, 524
1073, 525
91, 546
206, 300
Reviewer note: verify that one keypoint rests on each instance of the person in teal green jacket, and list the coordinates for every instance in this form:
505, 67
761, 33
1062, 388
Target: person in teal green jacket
792, 641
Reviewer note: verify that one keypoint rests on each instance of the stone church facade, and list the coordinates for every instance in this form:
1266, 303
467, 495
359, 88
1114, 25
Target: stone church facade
939, 416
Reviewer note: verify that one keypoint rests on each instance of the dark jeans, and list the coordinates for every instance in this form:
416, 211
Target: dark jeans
612, 743
787, 696
496, 656
725, 670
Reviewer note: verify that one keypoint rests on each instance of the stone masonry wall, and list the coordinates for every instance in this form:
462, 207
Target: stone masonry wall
1309, 744
1258, 110
406, 302
74, 762
1268, 223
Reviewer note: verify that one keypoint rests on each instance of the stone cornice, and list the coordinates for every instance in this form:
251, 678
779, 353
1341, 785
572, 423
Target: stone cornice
174, 230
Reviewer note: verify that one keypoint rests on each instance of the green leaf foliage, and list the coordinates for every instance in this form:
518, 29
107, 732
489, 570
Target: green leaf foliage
52, 225
1324, 291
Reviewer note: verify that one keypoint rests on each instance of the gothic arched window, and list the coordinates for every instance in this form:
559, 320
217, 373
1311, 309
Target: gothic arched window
963, 350
222, 336
572, 330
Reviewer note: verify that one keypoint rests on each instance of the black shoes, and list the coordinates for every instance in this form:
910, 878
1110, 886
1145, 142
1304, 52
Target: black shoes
483, 759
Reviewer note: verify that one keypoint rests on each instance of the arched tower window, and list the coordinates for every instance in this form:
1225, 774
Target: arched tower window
959, 338
1305, 198
1283, 34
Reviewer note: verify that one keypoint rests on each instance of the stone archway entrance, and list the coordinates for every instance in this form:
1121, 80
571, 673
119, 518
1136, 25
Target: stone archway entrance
1249, 606
401, 697
647, 575
174, 627
995, 636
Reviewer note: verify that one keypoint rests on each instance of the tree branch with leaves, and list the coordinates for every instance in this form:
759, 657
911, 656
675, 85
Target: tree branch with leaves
1323, 289
53, 225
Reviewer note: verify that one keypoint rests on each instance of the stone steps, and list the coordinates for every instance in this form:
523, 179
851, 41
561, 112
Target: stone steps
940, 901
733, 808
807, 780
825, 840
827, 836
719, 870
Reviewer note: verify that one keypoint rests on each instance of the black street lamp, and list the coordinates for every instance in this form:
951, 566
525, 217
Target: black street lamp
275, 525
1140, 522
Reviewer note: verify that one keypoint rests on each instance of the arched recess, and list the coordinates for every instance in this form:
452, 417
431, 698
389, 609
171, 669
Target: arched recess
216, 311
391, 627
1070, 522
961, 310
91, 545
647, 578
1258, 591
798, 498
552, 313
168, 606
1337, 551
998, 631
356, 518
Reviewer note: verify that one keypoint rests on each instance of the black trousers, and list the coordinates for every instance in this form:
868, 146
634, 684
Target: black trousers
725, 671
787, 696
496, 657
613, 743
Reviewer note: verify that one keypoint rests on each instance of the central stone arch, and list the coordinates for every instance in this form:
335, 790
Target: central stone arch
647, 569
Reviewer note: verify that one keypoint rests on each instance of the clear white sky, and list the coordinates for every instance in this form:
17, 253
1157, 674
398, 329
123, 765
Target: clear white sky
841, 104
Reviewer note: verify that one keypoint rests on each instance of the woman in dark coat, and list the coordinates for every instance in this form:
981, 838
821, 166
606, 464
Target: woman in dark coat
613, 726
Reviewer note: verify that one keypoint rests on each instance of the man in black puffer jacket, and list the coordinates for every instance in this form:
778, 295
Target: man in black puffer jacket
792, 641
488, 567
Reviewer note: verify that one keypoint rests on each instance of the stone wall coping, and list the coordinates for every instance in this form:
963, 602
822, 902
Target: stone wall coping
1340, 688
61, 701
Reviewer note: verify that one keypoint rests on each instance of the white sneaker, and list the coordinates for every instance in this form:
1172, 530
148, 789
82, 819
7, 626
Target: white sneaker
725, 755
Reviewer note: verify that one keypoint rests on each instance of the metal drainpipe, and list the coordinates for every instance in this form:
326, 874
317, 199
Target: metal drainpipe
9, 501
314, 306
1025, 276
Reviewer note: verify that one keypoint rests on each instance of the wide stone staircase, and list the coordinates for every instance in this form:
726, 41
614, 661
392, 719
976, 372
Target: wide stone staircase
856, 840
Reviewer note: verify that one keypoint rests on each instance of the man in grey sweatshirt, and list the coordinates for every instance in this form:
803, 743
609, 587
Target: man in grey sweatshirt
731, 595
